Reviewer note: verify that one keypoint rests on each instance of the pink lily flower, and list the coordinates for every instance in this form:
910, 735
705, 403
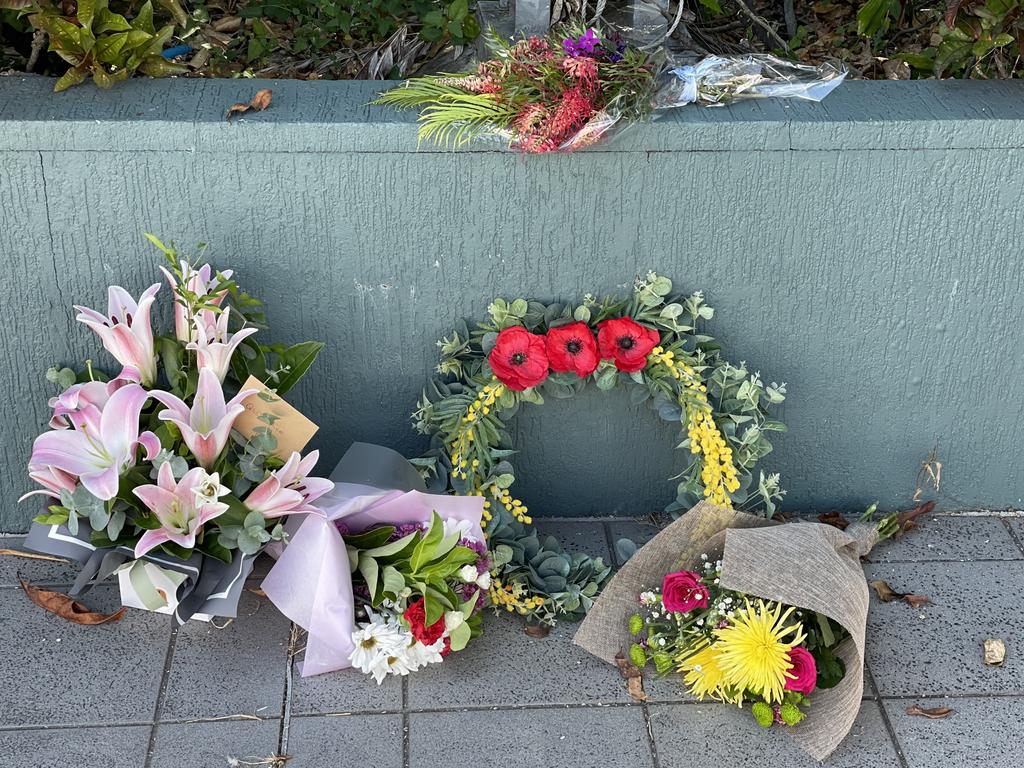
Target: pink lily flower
198, 281
83, 402
126, 331
182, 511
290, 489
53, 481
206, 426
102, 445
214, 346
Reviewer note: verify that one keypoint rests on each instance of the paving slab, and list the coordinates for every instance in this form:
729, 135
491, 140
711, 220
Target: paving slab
637, 530
58, 672
1016, 525
237, 670
504, 666
936, 650
32, 570
692, 734
347, 690
950, 538
592, 737
986, 732
585, 536
209, 744
105, 747
358, 740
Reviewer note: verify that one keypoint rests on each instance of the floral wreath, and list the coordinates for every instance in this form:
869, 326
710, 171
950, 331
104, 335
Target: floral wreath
651, 341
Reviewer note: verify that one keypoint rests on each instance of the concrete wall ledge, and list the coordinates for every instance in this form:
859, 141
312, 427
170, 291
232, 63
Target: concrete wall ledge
334, 116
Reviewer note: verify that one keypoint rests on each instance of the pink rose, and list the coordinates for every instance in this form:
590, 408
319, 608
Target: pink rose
803, 675
683, 591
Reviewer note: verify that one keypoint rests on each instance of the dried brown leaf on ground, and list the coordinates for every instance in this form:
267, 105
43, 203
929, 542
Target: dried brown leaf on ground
932, 713
65, 607
908, 520
537, 630
259, 102
256, 591
31, 555
917, 601
632, 675
835, 519
995, 651
887, 595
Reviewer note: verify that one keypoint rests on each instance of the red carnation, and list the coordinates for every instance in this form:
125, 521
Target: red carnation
627, 342
416, 616
572, 347
519, 359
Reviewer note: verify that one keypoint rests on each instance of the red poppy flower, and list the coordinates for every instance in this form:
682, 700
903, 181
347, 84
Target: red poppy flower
416, 616
519, 358
625, 341
572, 347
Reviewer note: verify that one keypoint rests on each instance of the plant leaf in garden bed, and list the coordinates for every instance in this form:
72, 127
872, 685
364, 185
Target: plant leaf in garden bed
67, 608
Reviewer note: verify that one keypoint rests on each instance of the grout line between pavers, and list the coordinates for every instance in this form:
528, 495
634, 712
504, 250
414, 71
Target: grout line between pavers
406, 741
613, 556
885, 719
1013, 534
985, 695
161, 695
649, 727
470, 708
286, 705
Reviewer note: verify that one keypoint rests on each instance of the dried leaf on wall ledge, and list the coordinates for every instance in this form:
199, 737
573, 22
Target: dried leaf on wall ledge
259, 102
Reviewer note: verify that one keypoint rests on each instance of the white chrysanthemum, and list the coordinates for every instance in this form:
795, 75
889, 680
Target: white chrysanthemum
462, 527
374, 641
469, 573
427, 654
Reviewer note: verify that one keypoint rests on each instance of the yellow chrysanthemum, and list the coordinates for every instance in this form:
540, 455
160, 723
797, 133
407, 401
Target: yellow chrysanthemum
703, 674
753, 650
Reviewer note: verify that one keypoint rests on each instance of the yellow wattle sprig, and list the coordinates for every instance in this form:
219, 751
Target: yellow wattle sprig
465, 467
718, 473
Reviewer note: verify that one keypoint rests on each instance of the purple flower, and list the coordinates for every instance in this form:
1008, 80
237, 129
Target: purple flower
583, 45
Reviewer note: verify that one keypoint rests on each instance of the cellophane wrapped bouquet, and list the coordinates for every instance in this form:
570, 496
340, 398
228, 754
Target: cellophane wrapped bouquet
579, 84
142, 469
418, 590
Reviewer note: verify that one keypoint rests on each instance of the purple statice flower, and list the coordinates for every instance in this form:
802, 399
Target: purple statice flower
583, 45
405, 529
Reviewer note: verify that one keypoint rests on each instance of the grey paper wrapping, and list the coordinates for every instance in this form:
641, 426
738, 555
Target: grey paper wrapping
808, 565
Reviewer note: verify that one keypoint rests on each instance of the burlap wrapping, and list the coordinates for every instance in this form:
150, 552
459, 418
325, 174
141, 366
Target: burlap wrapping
808, 565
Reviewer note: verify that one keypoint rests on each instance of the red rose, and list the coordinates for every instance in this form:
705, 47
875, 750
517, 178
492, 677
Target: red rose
803, 675
683, 591
519, 359
572, 347
416, 616
627, 342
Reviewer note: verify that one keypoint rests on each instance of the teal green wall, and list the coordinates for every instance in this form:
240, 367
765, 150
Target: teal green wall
864, 250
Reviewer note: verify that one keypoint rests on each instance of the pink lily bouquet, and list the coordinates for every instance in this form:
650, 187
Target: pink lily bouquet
147, 473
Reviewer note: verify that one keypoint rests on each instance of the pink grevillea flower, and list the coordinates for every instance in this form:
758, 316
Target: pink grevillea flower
206, 426
126, 331
214, 346
82, 402
289, 489
101, 446
202, 282
182, 507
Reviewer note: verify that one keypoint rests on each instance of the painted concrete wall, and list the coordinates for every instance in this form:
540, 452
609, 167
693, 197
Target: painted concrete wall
865, 251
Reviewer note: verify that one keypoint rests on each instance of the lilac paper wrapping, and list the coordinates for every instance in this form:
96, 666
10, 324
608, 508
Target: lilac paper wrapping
311, 583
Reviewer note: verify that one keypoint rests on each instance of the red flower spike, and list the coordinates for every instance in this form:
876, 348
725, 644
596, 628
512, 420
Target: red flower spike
625, 341
572, 347
519, 358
